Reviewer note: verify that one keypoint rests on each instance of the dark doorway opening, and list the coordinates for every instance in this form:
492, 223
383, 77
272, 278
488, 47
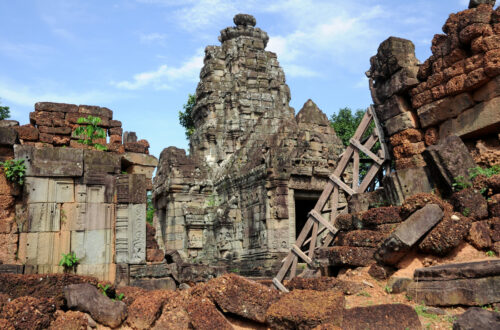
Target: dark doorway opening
304, 203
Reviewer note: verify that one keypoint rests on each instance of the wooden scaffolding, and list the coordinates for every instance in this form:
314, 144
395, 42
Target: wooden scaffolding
316, 224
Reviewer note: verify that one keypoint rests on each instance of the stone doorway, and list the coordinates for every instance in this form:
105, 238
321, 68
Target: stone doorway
304, 203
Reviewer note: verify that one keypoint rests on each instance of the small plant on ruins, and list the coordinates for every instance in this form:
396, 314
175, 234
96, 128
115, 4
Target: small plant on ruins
150, 210
460, 183
490, 253
90, 132
466, 212
69, 261
487, 172
364, 294
4, 112
388, 289
186, 118
106, 291
14, 170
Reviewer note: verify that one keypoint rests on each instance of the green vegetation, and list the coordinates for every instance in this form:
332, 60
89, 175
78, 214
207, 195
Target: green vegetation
69, 261
14, 170
490, 253
212, 200
186, 118
4, 112
105, 290
364, 294
466, 212
460, 183
388, 289
422, 311
235, 270
345, 124
150, 210
91, 132
487, 172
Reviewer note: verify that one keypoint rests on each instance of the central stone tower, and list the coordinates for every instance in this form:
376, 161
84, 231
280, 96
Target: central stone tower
254, 169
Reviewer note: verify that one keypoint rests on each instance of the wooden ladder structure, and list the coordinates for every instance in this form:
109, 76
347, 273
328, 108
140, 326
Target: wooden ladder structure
316, 224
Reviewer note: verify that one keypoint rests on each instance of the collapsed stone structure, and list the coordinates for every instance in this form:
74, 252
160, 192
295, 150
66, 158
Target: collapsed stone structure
74, 198
254, 169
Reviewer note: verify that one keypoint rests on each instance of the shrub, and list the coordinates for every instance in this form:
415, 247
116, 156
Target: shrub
91, 132
14, 170
69, 261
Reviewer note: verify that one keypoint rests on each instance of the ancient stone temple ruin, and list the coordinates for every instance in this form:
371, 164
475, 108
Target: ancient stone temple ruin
74, 199
254, 168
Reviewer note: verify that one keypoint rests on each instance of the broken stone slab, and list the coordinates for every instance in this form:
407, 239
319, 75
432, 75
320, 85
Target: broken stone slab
243, 297
203, 314
446, 235
50, 162
199, 273
477, 318
8, 136
133, 158
11, 269
129, 137
448, 160
306, 309
408, 233
153, 271
456, 271
324, 283
468, 292
398, 284
9, 123
386, 316
470, 203
86, 298
401, 122
404, 183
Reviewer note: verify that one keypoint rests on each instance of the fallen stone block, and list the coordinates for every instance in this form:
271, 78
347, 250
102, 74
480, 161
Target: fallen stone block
150, 284
305, 309
468, 292
146, 308
447, 272
470, 203
86, 298
381, 272
243, 297
50, 162
417, 201
447, 235
387, 316
177, 318
380, 215
398, 284
346, 256
408, 233
448, 160
403, 183
477, 318
324, 283
363, 238
29, 312
205, 316
479, 235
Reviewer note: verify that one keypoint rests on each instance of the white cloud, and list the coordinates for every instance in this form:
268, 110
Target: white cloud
165, 76
29, 95
154, 37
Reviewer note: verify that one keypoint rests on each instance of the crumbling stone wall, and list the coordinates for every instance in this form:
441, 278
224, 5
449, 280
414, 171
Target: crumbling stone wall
232, 199
74, 199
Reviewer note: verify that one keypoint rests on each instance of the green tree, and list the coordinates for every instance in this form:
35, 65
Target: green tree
150, 210
4, 112
186, 118
345, 124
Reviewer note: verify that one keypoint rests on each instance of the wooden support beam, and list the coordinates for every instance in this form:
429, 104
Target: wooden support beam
368, 152
323, 221
280, 286
302, 255
341, 184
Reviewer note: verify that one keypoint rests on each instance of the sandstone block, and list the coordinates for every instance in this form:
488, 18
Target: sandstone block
366, 200
166, 283
50, 162
401, 122
131, 188
488, 91
394, 106
115, 123
468, 292
137, 147
438, 111
449, 159
482, 119
9, 123
408, 233
101, 162
479, 235
8, 136
115, 131
477, 318
131, 233
304, 309
454, 271
46, 190
406, 182
398, 83
86, 298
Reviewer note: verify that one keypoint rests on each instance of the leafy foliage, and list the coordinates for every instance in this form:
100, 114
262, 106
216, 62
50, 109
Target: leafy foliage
345, 124
186, 118
487, 172
69, 260
150, 210
14, 170
4, 112
91, 132
460, 183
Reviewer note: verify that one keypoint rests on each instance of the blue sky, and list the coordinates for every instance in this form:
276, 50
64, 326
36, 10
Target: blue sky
141, 58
